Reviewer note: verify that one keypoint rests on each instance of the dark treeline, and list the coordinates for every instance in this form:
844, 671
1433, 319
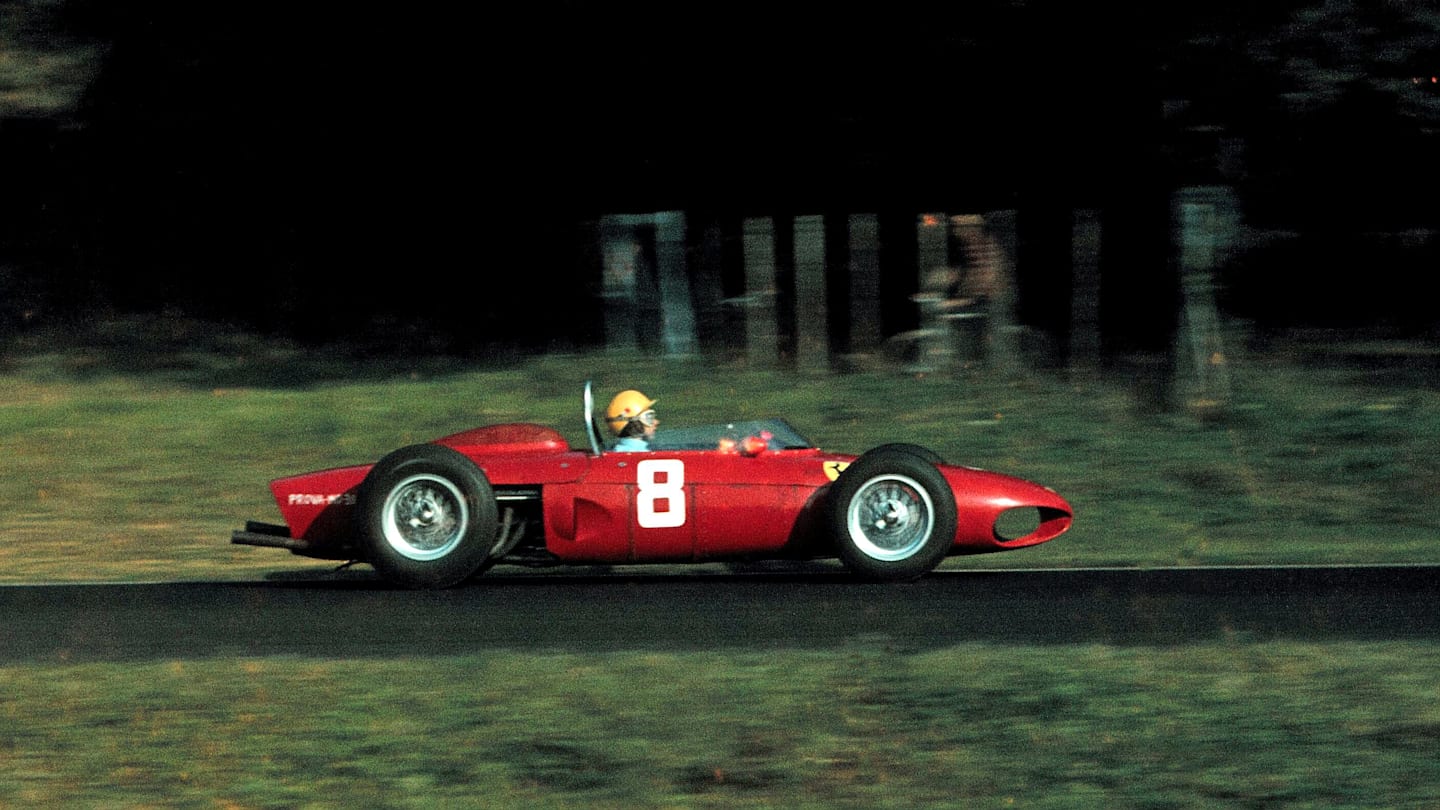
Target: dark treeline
378, 176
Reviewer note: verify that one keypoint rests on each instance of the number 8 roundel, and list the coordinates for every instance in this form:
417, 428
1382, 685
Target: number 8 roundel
660, 495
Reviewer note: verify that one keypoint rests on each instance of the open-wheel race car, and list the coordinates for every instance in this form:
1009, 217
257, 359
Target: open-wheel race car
433, 515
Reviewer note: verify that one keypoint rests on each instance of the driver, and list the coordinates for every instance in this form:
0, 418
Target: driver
631, 416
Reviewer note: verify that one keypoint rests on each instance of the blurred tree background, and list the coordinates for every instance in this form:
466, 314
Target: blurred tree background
418, 177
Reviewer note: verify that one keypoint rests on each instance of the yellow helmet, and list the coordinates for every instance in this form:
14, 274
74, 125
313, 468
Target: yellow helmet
626, 407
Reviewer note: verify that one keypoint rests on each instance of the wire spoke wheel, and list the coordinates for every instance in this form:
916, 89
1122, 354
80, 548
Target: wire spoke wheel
428, 517
891, 517
892, 514
425, 517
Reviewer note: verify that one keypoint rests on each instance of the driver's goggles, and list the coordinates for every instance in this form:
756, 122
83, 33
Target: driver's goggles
648, 419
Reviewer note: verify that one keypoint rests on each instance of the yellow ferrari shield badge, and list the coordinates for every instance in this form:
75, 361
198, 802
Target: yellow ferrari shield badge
834, 468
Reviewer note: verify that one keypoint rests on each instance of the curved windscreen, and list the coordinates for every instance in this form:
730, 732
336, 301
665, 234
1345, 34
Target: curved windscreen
778, 435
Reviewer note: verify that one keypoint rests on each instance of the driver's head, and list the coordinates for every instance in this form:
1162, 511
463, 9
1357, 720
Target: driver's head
630, 412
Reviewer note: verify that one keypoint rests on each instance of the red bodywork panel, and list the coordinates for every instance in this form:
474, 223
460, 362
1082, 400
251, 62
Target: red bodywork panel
666, 506
729, 505
317, 506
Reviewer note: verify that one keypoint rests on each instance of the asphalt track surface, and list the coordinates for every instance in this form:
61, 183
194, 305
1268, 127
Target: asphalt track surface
354, 615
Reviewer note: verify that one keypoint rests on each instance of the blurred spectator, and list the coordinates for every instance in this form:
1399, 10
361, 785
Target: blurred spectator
972, 288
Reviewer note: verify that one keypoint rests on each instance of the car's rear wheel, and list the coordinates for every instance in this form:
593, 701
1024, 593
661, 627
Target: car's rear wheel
892, 515
428, 517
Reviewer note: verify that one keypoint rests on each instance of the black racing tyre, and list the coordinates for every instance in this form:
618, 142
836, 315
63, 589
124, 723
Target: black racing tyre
914, 449
892, 516
427, 517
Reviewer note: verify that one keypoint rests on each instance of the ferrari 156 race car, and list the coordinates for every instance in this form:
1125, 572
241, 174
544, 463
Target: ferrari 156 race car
433, 515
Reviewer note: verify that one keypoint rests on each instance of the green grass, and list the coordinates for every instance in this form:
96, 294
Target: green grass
126, 463
1277, 725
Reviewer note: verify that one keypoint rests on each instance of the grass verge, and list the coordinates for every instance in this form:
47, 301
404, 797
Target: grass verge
1281, 724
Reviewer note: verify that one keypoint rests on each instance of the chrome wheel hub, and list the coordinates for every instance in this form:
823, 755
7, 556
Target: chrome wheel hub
425, 517
890, 518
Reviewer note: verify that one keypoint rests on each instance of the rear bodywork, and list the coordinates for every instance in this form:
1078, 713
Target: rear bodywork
559, 505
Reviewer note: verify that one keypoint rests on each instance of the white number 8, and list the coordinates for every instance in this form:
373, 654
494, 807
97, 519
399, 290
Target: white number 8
671, 490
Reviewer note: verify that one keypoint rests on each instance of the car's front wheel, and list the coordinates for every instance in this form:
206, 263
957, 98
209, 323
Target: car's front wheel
913, 449
428, 517
892, 515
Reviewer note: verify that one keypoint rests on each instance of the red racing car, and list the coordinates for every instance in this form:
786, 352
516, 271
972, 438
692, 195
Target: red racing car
433, 515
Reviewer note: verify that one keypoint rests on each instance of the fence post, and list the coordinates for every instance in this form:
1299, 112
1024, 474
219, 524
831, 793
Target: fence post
619, 280
677, 312
864, 305
758, 239
704, 247
812, 330
1201, 213
783, 231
